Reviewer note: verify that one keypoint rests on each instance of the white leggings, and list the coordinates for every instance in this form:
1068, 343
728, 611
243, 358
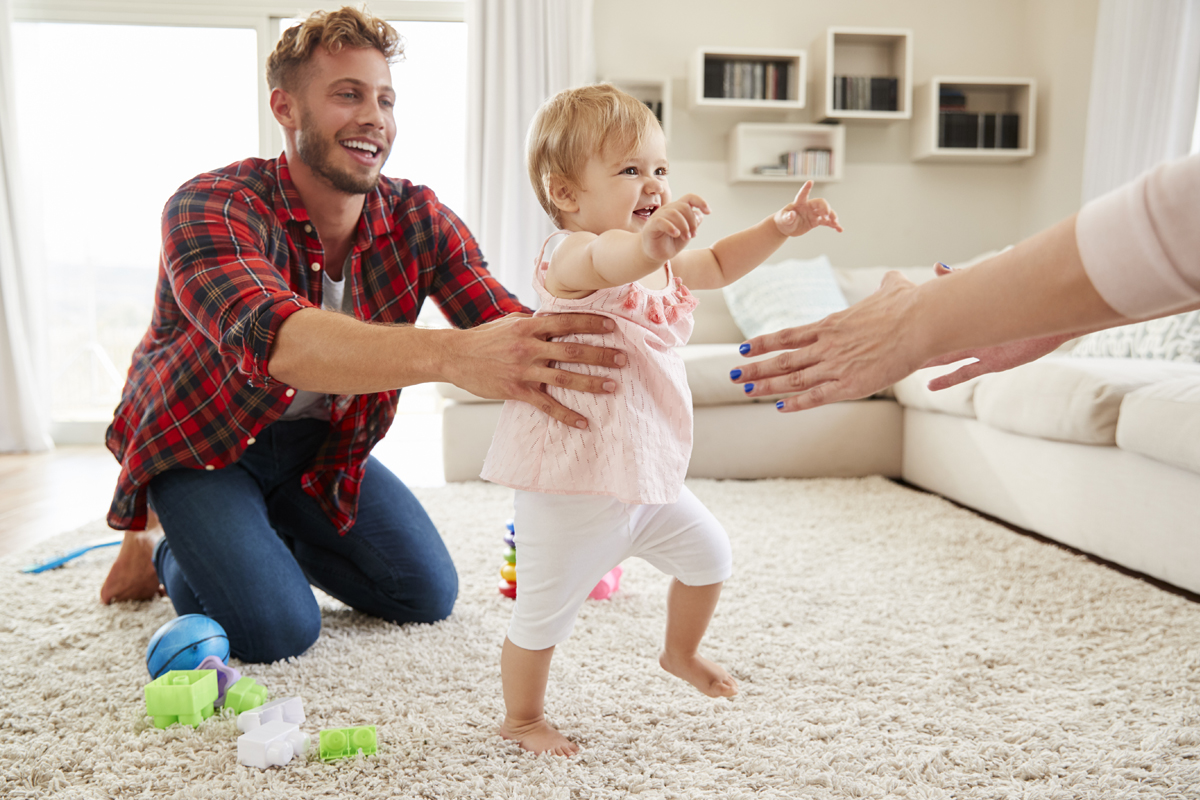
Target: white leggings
567, 543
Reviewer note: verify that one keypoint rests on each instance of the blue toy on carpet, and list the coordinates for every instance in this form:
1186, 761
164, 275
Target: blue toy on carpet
184, 642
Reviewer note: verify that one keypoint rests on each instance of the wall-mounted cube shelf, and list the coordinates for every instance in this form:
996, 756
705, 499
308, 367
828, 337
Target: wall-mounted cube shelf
974, 119
756, 150
863, 74
742, 78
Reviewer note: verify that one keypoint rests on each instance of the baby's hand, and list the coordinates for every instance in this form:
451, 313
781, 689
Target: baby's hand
802, 215
672, 226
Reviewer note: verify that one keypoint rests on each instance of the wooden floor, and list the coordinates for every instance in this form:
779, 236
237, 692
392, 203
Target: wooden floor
46, 494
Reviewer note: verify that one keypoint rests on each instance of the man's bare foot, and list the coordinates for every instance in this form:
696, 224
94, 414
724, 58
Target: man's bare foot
710, 678
538, 736
132, 575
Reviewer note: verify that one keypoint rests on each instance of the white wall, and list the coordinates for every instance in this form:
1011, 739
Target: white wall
896, 212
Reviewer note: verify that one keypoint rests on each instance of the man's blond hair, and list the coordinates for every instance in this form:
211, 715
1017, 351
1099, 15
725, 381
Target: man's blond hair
577, 124
332, 30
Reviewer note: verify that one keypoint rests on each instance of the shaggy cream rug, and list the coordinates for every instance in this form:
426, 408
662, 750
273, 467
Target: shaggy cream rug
887, 643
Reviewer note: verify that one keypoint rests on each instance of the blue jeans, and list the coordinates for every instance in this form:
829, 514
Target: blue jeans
242, 545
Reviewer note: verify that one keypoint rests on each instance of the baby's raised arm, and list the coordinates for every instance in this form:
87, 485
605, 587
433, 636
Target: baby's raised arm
733, 256
585, 261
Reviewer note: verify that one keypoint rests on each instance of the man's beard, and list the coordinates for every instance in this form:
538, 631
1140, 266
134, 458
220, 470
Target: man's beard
315, 151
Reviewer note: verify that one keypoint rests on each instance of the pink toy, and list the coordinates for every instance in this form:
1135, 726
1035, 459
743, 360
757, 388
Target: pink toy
608, 585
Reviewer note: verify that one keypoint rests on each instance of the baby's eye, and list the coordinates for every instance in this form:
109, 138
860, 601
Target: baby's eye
630, 171
660, 171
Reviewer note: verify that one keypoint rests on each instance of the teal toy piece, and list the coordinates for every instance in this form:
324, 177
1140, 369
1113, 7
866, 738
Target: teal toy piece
184, 696
347, 742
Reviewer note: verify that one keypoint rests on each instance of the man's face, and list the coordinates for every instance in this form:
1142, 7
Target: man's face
346, 122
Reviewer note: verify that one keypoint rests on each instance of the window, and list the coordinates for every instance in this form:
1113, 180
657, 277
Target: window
111, 120
104, 142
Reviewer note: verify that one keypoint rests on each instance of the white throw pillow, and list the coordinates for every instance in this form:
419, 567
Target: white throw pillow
1175, 338
783, 295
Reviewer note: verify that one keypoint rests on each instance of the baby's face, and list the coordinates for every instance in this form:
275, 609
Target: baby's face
619, 191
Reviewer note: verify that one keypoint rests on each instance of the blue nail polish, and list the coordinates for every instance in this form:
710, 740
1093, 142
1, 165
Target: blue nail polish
744, 349
749, 388
734, 374
779, 404
945, 266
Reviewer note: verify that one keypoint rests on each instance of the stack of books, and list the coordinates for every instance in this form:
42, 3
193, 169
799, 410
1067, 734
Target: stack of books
815, 162
857, 93
958, 127
746, 80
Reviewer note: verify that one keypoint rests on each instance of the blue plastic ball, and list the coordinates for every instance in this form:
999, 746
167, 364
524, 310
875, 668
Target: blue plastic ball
184, 642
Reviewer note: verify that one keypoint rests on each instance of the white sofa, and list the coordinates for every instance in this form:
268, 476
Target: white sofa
1101, 454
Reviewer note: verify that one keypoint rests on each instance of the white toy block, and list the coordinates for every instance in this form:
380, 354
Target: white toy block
285, 709
272, 745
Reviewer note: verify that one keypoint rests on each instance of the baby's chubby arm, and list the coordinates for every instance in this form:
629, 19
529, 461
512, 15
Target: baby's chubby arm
585, 262
733, 256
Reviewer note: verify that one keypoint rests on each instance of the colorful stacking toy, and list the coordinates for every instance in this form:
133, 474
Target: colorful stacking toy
605, 589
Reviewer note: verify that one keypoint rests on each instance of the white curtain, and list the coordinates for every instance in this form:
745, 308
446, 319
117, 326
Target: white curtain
24, 421
1145, 84
521, 52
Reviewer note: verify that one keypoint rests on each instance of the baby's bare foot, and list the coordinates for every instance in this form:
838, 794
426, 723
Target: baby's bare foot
538, 736
710, 678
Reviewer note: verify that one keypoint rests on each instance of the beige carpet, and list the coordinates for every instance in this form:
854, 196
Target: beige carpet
887, 644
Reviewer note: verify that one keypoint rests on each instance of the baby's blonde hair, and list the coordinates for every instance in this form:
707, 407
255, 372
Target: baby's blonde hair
577, 124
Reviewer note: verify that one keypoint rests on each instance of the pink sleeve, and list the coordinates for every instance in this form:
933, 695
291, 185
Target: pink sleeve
1140, 244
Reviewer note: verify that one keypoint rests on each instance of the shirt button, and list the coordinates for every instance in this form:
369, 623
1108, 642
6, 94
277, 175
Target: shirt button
308, 228
251, 440
316, 265
290, 392
209, 467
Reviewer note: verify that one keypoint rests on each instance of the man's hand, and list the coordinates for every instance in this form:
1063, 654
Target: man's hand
802, 214
132, 575
672, 226
511, 359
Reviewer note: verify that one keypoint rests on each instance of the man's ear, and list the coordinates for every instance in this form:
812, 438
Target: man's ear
283, 106
562, 193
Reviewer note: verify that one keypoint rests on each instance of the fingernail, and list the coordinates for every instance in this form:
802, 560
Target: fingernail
610, 386
581, 424
779, 404
943, 266
749, 388
620, 359
609, 325
744, 349
734, 374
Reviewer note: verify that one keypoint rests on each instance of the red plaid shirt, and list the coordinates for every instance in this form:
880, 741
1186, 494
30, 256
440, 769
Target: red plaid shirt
237, 256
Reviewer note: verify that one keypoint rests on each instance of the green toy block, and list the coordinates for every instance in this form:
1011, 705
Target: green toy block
347, 742
182, 695
245, 695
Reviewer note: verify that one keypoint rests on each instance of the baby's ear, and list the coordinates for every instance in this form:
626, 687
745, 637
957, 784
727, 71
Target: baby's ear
562, 193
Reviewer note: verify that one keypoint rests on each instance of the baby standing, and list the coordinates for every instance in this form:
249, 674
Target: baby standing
589, 498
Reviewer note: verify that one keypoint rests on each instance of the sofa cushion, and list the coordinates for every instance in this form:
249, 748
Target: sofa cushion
1175, 338
1162, 421
1069, 399
783, 295
857, 283
913, 392
713, 322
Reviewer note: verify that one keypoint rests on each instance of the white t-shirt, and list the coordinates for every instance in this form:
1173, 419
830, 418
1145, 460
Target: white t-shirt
315, 405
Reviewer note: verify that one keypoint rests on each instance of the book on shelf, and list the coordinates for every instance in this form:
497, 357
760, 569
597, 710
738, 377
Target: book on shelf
743, 79
979, 131
813, 162
950, 99
862, 93
656, 107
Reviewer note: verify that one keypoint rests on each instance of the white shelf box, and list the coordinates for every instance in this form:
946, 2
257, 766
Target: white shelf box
984, 96
884, 54
751, 71
654, 92
757, 144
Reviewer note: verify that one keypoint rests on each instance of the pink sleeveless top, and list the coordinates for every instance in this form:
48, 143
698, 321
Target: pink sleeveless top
639, 438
